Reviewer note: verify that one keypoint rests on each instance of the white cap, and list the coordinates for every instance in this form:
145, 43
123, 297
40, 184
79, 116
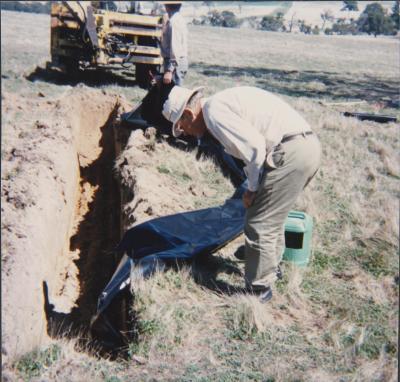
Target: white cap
175, 105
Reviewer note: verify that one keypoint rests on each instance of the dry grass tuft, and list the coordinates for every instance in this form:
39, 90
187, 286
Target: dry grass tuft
172, 325
62, 360
390, 164
382, 369
248, 315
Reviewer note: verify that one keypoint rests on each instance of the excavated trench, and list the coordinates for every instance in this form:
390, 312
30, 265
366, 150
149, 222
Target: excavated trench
62, 204
96, 231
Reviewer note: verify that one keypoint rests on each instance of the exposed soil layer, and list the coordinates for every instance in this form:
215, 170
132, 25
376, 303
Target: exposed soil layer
61, 213
95, 233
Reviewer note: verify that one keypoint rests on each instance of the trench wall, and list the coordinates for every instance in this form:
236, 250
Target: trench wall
41, 239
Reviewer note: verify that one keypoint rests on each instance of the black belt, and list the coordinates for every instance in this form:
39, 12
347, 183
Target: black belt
289, 137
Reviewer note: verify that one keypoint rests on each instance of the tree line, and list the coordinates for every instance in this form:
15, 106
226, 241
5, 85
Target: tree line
374, 20
33, 7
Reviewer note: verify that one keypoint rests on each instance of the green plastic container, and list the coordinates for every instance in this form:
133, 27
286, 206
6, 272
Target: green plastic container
298, 234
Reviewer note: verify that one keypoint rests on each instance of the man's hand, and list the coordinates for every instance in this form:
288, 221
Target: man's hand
248, 198
167, 77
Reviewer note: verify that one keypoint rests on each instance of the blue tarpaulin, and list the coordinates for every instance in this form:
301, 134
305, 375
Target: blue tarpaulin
187, 234
181, 236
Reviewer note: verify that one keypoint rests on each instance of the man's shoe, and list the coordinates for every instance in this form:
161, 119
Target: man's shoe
264, 294
240, 254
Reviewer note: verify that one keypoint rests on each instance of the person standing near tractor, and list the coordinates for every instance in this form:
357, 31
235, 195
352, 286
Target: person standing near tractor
174, 44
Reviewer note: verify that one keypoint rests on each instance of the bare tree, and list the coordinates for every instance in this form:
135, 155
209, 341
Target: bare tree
291, 22
209, 4
326, 16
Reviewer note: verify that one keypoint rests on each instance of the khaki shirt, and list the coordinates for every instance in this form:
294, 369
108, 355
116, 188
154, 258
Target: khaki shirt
249, 122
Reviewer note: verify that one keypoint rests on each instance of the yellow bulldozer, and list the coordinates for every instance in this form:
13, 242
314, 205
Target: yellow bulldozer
86, 35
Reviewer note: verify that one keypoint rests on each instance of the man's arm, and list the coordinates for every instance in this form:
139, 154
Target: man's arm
239, 139
168, 77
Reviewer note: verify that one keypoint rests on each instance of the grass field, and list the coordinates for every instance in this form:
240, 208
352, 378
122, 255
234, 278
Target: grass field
336, 320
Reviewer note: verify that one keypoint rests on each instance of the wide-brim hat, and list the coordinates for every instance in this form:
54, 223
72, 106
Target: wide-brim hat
175, 105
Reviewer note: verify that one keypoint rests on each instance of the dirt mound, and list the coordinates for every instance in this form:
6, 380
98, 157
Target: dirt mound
158, 179
52, 169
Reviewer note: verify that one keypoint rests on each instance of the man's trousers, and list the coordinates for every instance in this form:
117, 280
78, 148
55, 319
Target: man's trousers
276, 196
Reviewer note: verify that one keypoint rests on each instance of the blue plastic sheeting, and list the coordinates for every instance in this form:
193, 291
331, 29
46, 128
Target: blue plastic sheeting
185, 235
180, 236
118, 282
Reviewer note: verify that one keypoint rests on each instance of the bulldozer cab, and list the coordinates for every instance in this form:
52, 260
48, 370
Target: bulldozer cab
97, 34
